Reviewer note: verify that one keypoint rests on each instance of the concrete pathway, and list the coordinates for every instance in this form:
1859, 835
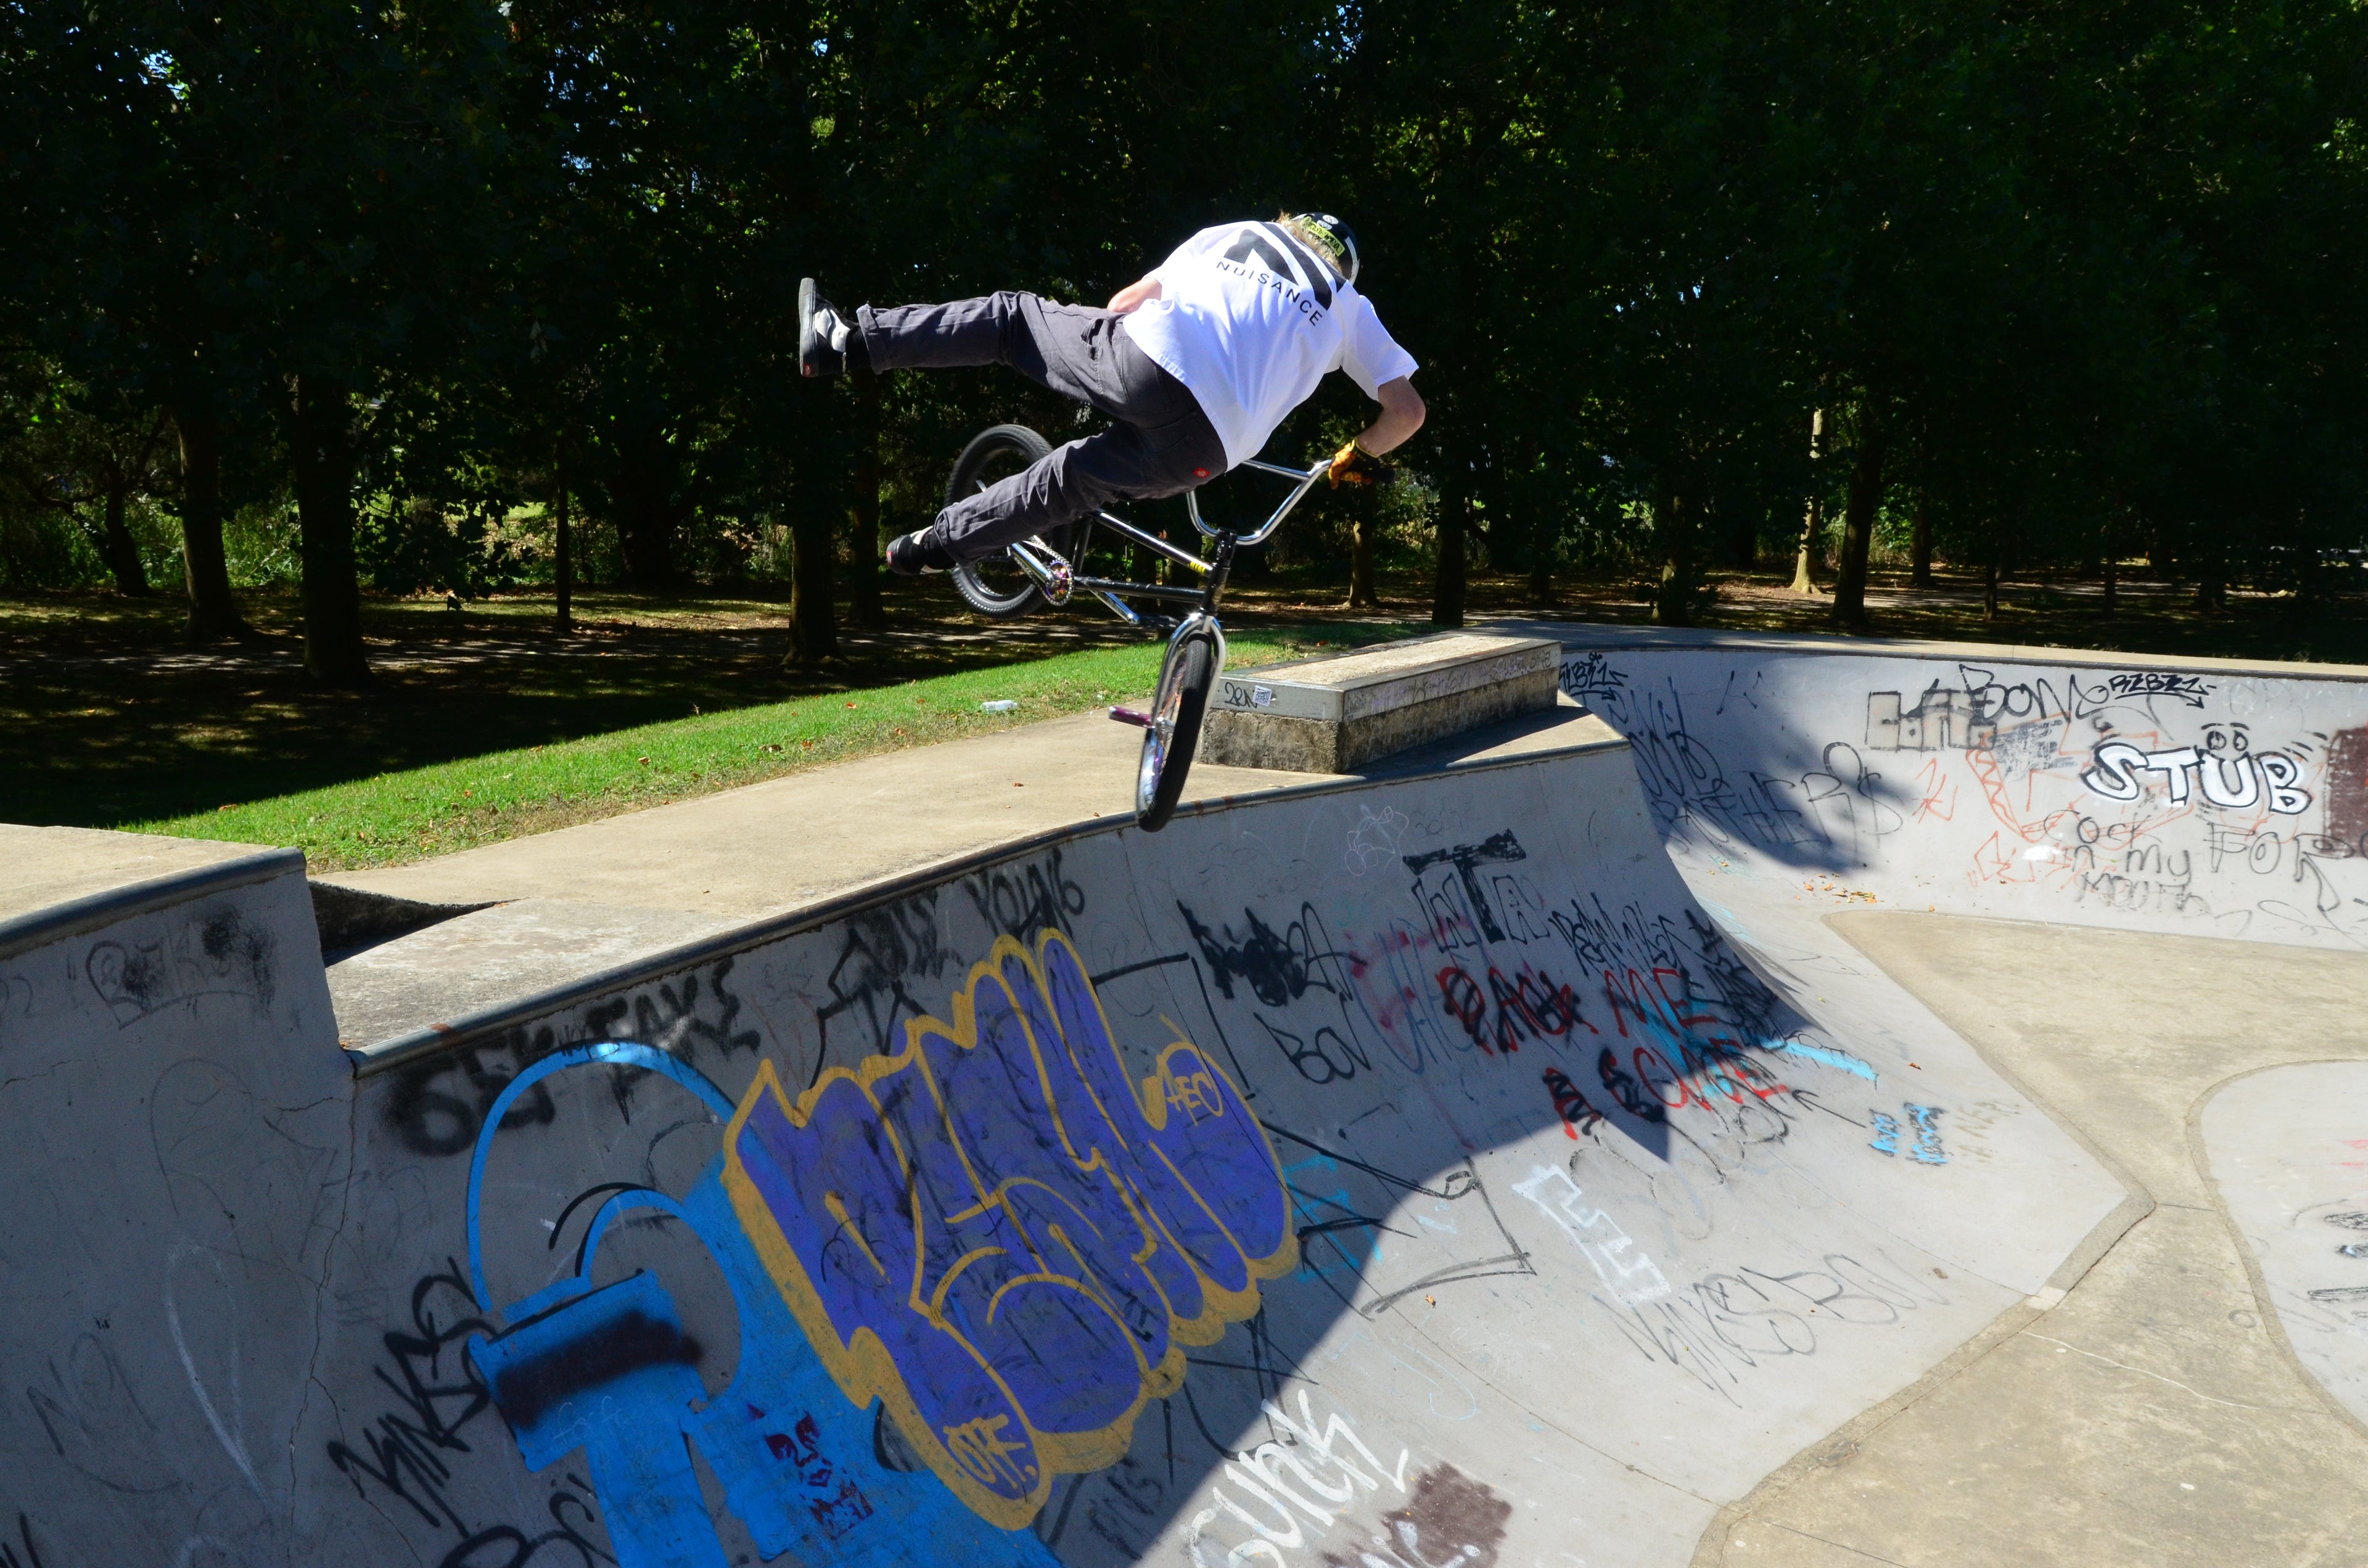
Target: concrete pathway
788, 843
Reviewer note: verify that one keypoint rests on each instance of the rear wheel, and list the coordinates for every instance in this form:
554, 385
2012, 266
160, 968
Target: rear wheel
1174, 733
996, 586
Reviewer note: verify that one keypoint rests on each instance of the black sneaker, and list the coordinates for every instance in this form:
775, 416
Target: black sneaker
822, 334
911, 554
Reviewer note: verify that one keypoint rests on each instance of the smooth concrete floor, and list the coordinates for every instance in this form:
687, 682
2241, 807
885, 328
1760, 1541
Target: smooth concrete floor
2155, 1417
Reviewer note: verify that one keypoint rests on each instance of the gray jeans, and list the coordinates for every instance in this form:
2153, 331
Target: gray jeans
1160, 445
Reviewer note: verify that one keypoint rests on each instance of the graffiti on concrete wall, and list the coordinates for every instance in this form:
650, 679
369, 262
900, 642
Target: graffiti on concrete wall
998, 1238
436, 1413
1669, 1022
1646, 1027
1728, 1325
437, 1107
218, 953
2136, 790
1313, 1494
1626, 1273
979, 1222
1001, 1236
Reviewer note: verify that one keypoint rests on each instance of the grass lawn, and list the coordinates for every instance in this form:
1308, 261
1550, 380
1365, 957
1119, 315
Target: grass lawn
114, 719
416, 812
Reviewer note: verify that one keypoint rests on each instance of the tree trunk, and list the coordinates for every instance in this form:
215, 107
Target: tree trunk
321, 439
1541, 557
1454, 503
644, 493
1743, 540
1858, 523
645, 542
1812, 515
1991, 587
213, 613
122, 550
1922, 575
863, 513
816, 498
2210, 584
1673, 529
1364, 518
563, 573
1805, 563
814, 625
2111, 567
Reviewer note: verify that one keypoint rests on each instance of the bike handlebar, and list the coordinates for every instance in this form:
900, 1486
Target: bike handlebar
1307, 482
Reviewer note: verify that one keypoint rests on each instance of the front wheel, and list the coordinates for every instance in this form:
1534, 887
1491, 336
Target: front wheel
996, 586
1174, 733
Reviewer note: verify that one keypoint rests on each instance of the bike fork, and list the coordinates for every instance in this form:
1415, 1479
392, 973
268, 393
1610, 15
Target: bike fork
1199, 623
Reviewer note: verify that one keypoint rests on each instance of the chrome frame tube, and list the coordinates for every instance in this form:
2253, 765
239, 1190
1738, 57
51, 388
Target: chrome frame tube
1024, 551
1154, 542
1116, 606
1142, 590
1030, 564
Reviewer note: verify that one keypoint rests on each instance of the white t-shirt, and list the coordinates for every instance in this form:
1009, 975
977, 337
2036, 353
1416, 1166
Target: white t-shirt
1250, 319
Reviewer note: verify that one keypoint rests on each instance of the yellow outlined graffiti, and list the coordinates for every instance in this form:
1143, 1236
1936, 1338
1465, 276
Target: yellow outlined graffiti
1001, 1236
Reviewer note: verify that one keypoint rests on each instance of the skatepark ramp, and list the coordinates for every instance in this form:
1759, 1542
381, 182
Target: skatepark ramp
1500, 1159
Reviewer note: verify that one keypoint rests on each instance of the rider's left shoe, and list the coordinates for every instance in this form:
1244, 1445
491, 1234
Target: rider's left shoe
829, 343
911, 554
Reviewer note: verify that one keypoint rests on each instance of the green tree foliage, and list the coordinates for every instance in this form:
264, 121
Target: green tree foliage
2067, 282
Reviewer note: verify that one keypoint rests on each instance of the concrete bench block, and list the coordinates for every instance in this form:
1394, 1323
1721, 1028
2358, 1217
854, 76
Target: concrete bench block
1336, 713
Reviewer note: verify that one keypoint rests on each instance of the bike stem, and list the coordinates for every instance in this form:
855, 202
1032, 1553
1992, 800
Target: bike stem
1220, 568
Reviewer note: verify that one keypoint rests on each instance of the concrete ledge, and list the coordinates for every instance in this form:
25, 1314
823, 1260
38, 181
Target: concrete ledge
382, 994
1336, 713
484, 962
1581, 636
220, 868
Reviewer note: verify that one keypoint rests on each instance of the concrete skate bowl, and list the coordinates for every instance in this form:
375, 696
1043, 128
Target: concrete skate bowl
2201, 797
1411, 1171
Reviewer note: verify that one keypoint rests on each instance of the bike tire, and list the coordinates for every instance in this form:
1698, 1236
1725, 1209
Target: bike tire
1177, 707
995, 587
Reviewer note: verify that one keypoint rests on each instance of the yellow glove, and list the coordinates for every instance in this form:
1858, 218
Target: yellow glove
1354, 465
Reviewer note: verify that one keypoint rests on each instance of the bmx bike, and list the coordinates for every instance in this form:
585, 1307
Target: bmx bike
1048, 569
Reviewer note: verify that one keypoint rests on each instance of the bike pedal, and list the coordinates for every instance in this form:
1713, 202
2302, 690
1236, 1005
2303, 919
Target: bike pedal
1129, 716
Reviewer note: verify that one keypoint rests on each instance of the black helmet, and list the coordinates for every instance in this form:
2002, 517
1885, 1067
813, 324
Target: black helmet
1333, 237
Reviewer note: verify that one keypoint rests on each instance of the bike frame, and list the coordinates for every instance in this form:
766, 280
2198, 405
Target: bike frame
1057, 578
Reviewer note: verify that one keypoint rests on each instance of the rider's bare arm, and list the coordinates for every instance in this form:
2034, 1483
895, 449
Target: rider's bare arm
1132, 295
1401, 417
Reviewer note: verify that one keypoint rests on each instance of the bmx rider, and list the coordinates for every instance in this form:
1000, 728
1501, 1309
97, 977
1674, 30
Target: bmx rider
1196, 364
